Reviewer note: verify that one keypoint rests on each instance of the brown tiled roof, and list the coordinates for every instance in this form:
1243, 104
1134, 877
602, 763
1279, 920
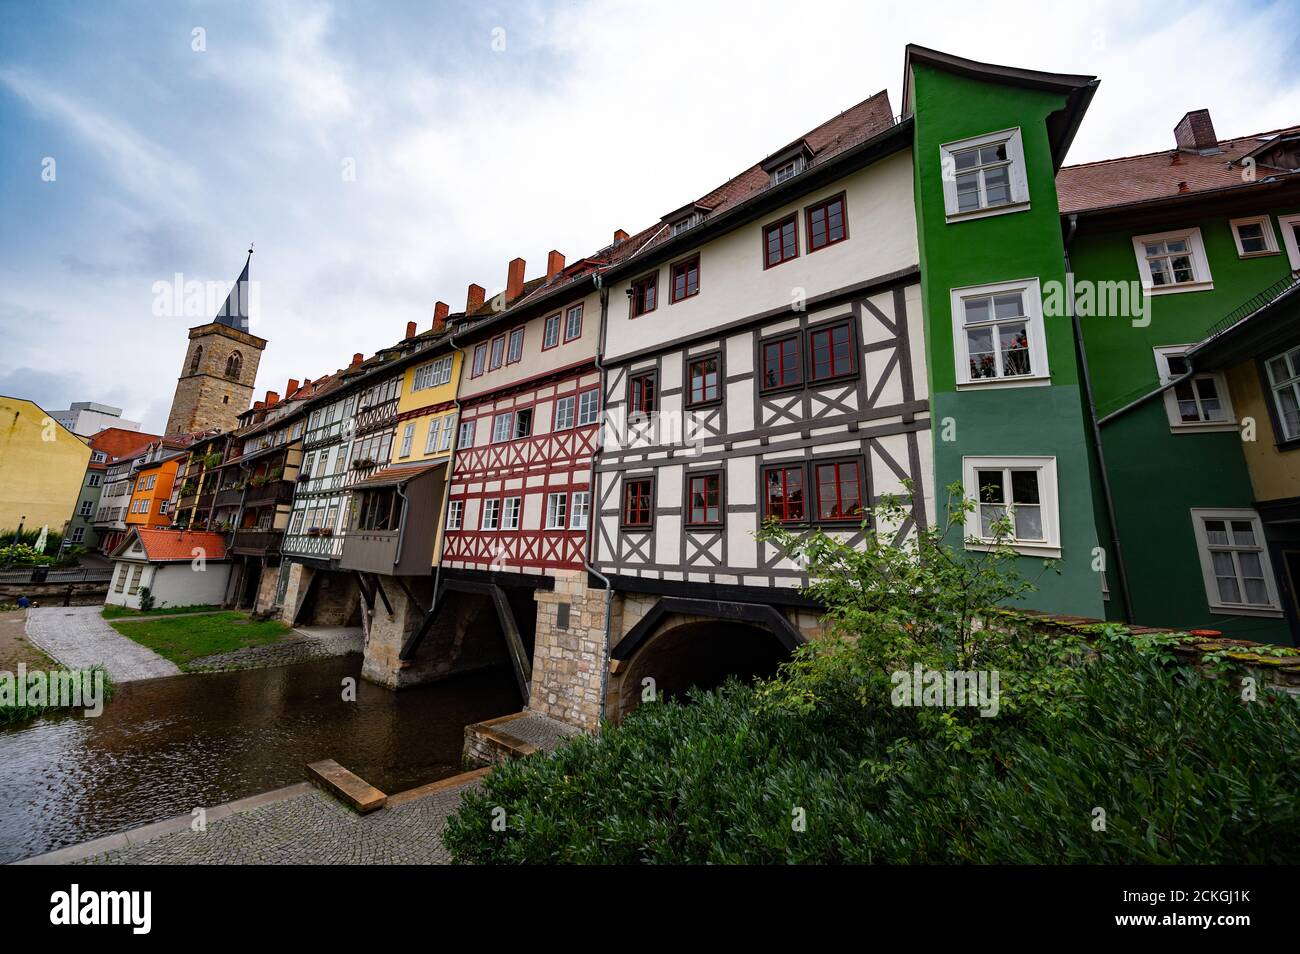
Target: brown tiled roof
118, 442
854, 125
1159, 175
166, 545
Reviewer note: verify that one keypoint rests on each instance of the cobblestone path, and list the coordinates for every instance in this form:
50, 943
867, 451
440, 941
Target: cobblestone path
78, 637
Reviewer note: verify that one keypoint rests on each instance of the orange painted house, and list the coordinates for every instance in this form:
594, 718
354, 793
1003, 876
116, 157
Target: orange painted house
152, 491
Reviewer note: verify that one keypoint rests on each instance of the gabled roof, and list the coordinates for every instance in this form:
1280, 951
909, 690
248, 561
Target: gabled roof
1061, 126
174, 546
117, 442
1167, 174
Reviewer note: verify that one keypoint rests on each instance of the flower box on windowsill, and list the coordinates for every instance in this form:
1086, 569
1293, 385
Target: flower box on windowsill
361, 463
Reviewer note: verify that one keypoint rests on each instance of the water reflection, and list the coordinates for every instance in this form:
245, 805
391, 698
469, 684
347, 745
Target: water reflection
166, 746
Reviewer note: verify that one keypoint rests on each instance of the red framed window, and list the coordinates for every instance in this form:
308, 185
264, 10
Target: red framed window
780, 242
644, 295
573, 323
839, 490
644, 396
704, 500
551, 332
783, 494
832, 352
637, 495
498, 352
782, 362
480, 360
703, 377
686, 279
826, 223
516, 350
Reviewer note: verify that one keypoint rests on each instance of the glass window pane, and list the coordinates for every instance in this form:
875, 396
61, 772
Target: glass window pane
966, 159
1024, 487
1216, 533
989, 515
1009, 306
977, 309
968, 192
1221, 560
1029, 523
1243, 533
1228, 589
997, 185
1014, 344
1256, 591
990, 486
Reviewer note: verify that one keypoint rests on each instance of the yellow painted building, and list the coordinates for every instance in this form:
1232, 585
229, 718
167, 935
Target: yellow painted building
426, 420
42, 465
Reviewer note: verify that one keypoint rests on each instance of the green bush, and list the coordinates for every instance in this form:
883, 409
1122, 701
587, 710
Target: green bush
1183, 770
1118, 756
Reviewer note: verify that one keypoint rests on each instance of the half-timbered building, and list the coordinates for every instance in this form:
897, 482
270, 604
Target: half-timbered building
763, 360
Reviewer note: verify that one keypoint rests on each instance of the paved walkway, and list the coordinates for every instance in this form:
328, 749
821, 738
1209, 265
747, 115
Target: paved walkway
78, 637
292, 826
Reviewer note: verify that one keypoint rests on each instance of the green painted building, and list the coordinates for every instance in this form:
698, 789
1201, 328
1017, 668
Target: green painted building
1192, 340
1008, 417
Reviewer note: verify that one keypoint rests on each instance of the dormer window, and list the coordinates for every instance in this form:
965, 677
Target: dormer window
787, 171
681, 225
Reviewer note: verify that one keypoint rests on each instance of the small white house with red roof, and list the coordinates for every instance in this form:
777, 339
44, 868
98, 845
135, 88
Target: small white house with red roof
178, 567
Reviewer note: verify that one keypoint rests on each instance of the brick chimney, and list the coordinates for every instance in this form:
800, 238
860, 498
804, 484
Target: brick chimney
440, 311
272, 398
1195, 133
554, 264
410, 329
474, 298
619, 236
291, 387
514, 279
357, 359
258, 405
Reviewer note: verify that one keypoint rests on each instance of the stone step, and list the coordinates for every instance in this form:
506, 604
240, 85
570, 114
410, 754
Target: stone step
353, 791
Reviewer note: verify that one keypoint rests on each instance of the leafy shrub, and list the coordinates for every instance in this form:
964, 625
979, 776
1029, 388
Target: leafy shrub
1183, 771
147, 600
820, 765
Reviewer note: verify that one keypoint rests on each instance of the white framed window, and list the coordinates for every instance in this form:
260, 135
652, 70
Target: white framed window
431, 438
1290, 226
556, 505
466, 438
99, 457
984, 175
1199, 403
448, 429
432, 374
588, 407
1021, 490
162, 506
87, 506
573, 323
998, 334
408, 436
1171, 262
455, 510
93, 480
1254, 236
523, 423
510, 514
516, 349
581, 510
501, 427
551, 332
1234, 562
563, 413
1284, 385
787, 171
491, 515
78, 534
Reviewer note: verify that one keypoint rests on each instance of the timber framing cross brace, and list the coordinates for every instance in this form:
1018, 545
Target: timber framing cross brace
523, 666
757, 614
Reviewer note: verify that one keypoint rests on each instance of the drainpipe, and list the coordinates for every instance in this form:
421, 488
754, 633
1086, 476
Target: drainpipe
592, 511
451, 469
1121, 573
401, 528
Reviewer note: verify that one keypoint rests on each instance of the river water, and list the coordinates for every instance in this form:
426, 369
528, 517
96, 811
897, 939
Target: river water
163, 747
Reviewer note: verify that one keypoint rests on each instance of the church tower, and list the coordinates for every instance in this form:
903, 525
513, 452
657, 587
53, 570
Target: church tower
216, 381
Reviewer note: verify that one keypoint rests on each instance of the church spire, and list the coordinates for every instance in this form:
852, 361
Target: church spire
234, 312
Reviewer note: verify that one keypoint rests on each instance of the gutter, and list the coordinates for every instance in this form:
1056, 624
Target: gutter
1109, 498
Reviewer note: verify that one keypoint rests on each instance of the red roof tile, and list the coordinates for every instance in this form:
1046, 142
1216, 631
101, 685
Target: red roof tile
1159, 175
162, 545
118, 442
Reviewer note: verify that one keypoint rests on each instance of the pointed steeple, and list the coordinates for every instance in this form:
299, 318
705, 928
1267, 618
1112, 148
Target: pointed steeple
235, 311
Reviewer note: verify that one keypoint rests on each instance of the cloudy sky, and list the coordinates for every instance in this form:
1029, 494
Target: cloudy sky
384, 155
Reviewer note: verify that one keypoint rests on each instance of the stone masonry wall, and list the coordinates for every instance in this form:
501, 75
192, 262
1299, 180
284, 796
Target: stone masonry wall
568, 659
465, 637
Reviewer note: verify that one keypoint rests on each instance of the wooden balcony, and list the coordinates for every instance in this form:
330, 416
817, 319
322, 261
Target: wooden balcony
231, 497
408, 549
273, 492
257, 542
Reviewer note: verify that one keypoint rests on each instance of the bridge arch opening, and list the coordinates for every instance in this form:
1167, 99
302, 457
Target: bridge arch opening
701, 654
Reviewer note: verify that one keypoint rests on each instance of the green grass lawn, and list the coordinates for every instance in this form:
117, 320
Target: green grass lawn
113, 611
184, 639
